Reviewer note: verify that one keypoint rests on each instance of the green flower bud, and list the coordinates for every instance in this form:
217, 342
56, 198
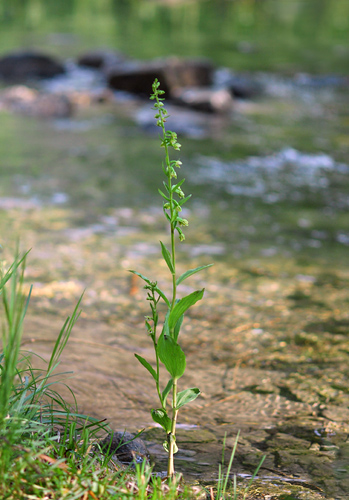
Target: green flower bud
180, 234
180, 192
182, 222
172, 172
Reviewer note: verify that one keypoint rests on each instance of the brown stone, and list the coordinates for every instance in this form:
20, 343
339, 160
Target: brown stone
173, 73
27, 101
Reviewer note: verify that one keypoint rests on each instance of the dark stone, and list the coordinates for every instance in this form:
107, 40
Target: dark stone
101, 59
20, 66
173, 73
137, 79
134, 449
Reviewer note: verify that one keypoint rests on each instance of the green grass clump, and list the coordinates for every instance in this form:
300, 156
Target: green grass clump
44, 441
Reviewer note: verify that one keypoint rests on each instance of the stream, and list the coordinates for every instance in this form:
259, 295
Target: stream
268, 344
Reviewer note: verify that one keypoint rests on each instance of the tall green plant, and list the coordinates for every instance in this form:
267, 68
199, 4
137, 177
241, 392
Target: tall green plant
166, 346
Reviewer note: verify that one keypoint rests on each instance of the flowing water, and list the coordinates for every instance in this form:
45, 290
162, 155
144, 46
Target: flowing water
268, 346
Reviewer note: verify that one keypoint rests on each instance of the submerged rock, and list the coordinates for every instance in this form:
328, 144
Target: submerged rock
134, 449
21, 66
24, 100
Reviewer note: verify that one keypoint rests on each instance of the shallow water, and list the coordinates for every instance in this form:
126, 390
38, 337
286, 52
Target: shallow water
268, 346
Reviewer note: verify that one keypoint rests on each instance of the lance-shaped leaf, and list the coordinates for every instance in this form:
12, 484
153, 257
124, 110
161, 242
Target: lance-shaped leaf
176, 186
171, 355
186, 275
183, 200
167, 256
162, 295
144, 278
177, 328
160, 417
182, 306
166, 392
147, 365
149, 282
163, 195
186, 396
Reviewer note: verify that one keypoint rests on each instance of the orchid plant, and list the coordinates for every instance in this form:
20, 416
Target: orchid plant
168, 351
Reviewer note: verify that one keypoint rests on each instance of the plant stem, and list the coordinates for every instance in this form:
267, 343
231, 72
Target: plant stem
170, 467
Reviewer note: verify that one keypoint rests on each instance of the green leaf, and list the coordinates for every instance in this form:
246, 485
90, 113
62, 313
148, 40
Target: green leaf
186, 396
175, 186
182, 306
166, 392
167, 256
163, 195
166, 446
156, 288
147, 280
186, 275
171, 355
146, 365
178, 327
160, 417
181, 202
162, 295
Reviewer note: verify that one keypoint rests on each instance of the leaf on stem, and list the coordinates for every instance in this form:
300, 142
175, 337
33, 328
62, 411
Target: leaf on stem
190, 272
187, 396
167, 256
163, 195
177, 328
162, 295
147, 280
147, 365
172, 439
160, 417
172, 356
176, 186
182, 306
166, 392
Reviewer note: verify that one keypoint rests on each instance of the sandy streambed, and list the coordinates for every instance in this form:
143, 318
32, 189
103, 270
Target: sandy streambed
268, 347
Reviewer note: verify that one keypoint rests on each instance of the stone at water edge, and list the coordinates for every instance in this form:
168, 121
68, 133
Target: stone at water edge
134, 449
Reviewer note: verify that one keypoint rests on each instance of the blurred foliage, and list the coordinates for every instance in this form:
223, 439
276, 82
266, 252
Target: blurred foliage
292, 35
